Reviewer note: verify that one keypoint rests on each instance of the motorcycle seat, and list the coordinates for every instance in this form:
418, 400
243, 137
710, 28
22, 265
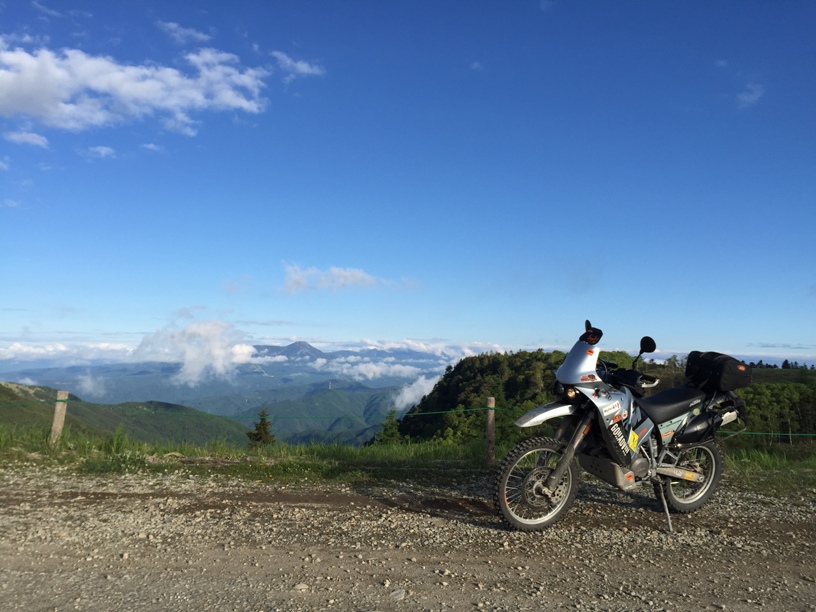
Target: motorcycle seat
671, 403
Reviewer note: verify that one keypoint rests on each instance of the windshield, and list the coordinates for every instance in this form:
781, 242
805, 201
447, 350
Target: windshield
580, 364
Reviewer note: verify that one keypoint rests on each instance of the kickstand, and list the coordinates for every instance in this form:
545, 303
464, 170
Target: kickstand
665, 507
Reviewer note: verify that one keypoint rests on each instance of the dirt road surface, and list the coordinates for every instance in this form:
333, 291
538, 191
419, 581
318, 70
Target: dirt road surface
183, 542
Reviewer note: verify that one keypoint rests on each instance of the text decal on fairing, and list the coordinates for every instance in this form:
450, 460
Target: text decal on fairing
611, 409
618, 434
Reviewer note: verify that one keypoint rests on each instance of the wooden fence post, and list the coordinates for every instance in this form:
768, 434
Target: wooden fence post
490, 432
59, 416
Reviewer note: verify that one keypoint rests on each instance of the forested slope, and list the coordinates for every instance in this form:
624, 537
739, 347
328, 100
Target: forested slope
781, 402
33, 406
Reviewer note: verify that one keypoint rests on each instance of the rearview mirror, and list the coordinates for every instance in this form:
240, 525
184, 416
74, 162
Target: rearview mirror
647, 345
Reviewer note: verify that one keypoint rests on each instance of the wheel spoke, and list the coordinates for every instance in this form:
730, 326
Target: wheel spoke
704, 459
523, 497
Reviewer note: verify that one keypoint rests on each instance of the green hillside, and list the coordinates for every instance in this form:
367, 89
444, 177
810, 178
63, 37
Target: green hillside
33, 407
781, 403
155, 422
351, 415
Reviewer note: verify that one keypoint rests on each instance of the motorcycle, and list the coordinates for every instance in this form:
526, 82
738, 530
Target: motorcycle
621, 437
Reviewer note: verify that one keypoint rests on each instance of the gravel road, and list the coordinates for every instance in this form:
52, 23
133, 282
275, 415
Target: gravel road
183, 542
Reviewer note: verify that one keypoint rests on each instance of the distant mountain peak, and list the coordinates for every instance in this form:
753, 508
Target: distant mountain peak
296, 350
302, 349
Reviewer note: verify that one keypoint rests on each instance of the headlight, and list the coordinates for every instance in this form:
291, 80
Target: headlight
567, 392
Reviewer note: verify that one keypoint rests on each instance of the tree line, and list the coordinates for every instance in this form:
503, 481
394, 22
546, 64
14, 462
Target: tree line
786, 365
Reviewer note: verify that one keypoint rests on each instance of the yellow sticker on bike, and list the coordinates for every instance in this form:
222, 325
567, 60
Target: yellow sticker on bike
633, 440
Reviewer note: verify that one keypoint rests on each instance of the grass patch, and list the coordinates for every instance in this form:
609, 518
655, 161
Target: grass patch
774, 470
780, 470
117, 453
293, 464
126, 462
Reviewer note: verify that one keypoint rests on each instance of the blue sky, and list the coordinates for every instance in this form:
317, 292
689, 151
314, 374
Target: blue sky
479, 174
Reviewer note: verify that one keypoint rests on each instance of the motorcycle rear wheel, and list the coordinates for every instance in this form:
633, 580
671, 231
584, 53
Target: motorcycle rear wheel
683, 496
520, 496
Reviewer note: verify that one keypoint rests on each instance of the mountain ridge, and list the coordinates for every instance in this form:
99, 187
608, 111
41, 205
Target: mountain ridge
295, 350
152, 421
294, 373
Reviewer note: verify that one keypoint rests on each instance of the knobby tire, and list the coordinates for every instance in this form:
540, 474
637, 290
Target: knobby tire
519, 494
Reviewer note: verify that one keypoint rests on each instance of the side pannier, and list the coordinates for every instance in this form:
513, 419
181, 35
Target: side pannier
712, 371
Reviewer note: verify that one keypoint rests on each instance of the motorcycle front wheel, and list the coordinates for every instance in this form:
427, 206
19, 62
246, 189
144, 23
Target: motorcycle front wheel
683, 496
520, 495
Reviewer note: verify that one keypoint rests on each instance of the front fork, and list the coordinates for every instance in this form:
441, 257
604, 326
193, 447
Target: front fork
584, 425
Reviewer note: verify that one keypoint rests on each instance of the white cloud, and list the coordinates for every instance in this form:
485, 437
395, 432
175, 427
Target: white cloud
245, 353
204, 349
91, 386
753, 92
721, 63
45, 10
4, 164
72, 90
21, 351
296, 68
446, 352
29, 138
182, 35
102, 152
67, 355
302, 279
181, 124
207, 349
269, 359
410, 395
151, 147
364, 369
10, 203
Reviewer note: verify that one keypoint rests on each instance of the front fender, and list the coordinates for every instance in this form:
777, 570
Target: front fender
545, 412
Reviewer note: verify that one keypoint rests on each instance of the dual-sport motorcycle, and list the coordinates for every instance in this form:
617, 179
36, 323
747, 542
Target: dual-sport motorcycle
622, 437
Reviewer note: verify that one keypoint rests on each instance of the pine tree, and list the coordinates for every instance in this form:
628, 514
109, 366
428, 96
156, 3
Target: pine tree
262, 434
390, 432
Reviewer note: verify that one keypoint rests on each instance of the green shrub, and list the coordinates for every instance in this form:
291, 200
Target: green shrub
126, 462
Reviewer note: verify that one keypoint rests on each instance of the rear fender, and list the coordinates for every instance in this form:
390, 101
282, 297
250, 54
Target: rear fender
545, 412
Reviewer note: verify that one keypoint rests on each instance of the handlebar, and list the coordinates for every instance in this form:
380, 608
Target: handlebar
635, 379
648, 381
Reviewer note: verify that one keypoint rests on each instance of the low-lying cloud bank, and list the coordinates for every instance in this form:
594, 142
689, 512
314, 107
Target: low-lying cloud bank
215, 349
62, 354
361, 369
